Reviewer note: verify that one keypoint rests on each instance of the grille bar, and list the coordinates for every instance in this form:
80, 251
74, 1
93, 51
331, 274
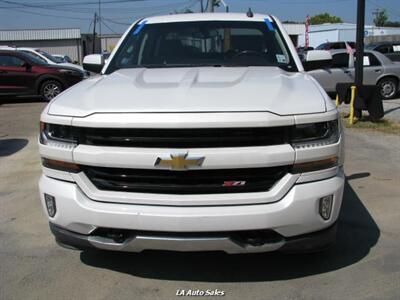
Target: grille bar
185, 182
185, 138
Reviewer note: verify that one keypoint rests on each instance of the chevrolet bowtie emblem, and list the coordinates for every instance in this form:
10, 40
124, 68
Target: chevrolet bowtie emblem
179, 162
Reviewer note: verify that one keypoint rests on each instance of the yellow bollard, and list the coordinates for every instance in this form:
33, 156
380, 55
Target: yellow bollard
337, 100
353, 97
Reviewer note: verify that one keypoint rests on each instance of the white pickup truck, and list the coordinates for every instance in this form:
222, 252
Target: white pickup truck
201, 133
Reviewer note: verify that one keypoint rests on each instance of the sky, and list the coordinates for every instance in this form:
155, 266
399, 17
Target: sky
19, 14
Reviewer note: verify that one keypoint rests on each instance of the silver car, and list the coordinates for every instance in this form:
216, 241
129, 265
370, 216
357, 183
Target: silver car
378, 69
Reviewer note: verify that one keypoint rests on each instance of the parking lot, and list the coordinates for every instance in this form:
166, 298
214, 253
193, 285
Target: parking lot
365, 262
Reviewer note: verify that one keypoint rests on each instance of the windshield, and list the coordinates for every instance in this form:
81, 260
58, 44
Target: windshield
48, 56
370, 47
35, 59
58, 59
203, 43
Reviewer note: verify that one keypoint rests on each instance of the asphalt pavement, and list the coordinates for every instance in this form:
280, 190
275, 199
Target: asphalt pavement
364, 263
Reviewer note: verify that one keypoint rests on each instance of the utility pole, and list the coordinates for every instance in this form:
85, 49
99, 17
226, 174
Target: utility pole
375, 13
210, 6
359, 59
94, 33
100, 18
360, 43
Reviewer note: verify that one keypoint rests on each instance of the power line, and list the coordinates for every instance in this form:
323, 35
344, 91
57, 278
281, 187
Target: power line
116, 22
25, 11
90, 25
89, 10
389, 11
52, 4
46, 15
109, 28
135, 15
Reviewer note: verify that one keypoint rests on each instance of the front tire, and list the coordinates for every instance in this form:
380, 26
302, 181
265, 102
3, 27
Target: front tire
388, 88
50, 89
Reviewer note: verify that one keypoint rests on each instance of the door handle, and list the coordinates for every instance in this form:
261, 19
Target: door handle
347, 72
378, 71
3, 72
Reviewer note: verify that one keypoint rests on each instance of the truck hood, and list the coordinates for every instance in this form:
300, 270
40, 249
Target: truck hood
201, 89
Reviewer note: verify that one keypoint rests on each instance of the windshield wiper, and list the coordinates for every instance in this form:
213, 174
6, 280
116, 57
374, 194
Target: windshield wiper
177, 65
215, 65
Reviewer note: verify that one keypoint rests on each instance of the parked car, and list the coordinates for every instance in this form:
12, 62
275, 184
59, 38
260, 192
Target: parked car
202, 133
46, 57
389, 49
378, 69
22, 74
335, 45
302, 51
63, 58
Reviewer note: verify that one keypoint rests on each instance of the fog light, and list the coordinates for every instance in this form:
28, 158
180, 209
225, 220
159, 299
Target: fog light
325, 206
50, 204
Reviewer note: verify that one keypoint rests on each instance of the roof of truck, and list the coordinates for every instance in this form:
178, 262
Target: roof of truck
207, 17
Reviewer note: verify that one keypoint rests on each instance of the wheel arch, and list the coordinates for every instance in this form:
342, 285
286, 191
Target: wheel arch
45, 78
396, 82
392, 76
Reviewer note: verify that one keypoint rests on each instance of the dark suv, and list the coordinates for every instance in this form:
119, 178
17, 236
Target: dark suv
23, 74
389, 49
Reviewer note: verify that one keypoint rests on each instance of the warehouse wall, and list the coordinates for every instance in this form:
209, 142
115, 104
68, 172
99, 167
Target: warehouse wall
347, 35
72, 48
318, 38
382, 38
109, 43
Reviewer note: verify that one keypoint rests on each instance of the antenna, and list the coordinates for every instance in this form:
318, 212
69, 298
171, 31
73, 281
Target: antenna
249, 13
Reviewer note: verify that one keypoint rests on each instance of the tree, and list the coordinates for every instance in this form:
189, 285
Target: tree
324, 18
292, 22
381, 18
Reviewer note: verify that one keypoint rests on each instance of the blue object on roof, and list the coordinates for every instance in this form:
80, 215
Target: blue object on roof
269, 25
139, 27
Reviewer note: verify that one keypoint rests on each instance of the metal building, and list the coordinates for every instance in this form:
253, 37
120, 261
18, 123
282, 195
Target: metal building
109, 41
295, 31
343, 32
55, 41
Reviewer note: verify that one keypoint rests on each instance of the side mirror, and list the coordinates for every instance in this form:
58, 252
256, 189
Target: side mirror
27, 66
93, 63
317, 59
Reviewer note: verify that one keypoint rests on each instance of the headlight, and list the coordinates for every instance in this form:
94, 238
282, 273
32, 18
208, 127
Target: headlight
58, 135
315, 134
312, 166
71, 72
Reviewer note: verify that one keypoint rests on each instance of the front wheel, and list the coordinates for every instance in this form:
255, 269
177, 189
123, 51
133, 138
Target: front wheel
50, 89
388, 88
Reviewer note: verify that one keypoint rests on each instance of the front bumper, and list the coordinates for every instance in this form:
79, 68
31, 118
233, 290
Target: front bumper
222, 242
295, 214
